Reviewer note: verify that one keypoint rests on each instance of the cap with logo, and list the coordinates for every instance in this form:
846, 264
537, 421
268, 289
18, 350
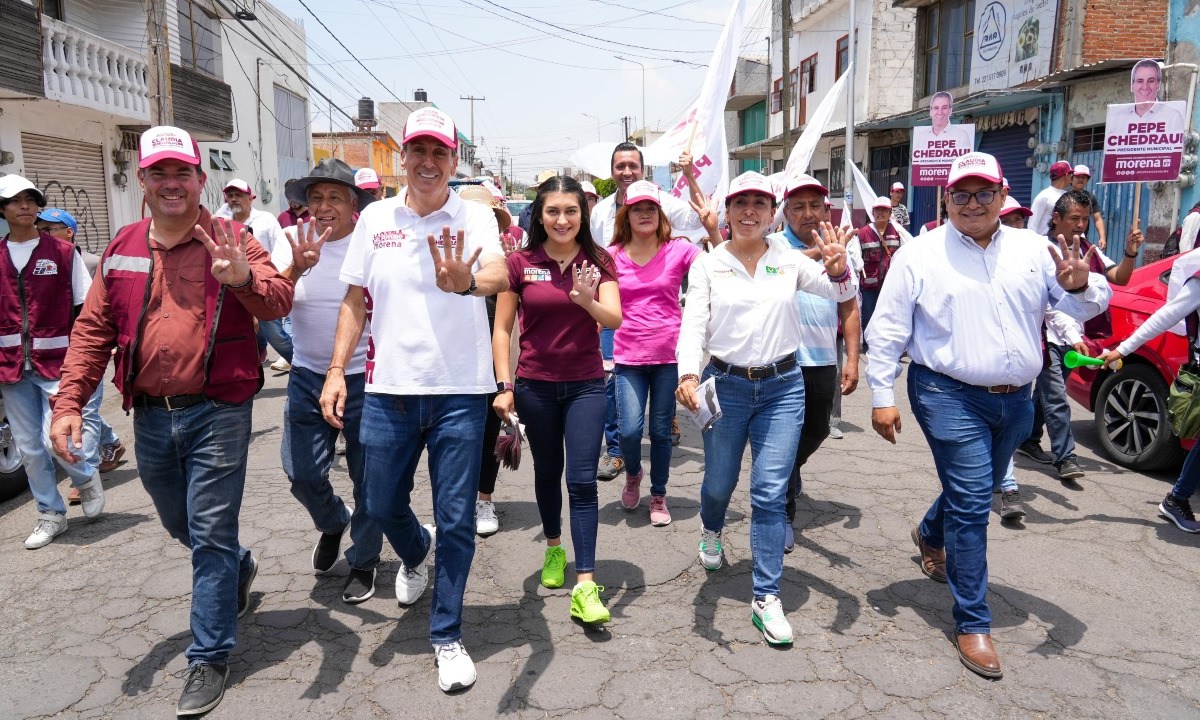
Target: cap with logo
881, 203
589, 188
58, 215
164, 142
433, 123
1082, 170
643, 190
897, 187
750, 183
1012, 206
1059, 169
974, 165
12, 185
803, 181
366, 179
239, 185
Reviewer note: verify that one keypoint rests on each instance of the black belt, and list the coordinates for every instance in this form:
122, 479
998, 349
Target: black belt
169, 402
758, 372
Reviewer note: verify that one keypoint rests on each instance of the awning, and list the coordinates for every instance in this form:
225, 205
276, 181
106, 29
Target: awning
1083, 72
984, 102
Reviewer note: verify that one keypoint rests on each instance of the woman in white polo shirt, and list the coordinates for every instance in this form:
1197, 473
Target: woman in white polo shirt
741, 310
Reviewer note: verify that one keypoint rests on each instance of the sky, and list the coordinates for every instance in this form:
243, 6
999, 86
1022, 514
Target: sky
543, 67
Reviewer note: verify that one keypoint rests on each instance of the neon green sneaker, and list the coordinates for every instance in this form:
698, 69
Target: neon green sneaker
586, 604
554, 567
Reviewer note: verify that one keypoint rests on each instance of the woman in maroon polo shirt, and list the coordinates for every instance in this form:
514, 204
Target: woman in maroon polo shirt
561, 285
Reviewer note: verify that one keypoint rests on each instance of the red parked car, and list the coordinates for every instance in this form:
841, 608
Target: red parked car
1130, 405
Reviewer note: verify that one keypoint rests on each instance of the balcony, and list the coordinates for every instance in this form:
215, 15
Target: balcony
87, 70
749, 84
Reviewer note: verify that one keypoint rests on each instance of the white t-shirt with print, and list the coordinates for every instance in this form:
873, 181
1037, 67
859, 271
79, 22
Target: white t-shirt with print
423, 341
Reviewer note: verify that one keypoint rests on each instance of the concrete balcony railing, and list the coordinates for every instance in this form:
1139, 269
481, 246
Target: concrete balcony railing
83, 69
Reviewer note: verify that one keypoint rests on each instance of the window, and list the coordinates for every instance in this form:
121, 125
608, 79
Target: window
777, 96
947, 35
53, 8
291, 125
843, 55
793, 82
1088, 139
808, 84
199, 45
221, 160
837, 167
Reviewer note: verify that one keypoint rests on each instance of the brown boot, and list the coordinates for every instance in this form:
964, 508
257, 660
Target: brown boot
933, 560
977, 652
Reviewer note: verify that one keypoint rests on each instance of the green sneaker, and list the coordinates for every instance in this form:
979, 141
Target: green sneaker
586, 604
554, 567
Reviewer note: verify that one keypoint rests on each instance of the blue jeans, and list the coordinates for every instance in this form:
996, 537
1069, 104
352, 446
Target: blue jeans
395, 430
1189, 476
278, 334
612, 423
27, 404
973, 434
108, 436
193, 465
770, 414
869, 299
1009, 481
307, 453
570, 415
635, 385
1054, 406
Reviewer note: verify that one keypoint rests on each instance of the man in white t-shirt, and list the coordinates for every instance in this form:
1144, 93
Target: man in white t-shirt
1043, 204
418, 267
311, 255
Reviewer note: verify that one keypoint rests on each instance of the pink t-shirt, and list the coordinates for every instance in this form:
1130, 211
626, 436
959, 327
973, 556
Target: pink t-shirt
650, 312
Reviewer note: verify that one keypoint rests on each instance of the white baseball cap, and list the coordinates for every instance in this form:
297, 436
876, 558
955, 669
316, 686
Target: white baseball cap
240, 185
590, 189
1082, 170
897, 186
366, 179
431, 122
1012, 206
974, 164
13, 185
802, 181
164, 142
642, 190
881, 203
750, 182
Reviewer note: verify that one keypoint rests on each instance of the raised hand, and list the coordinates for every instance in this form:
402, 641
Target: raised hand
306, 249
685, 162
584, 284
708, 212
1134, 241
453, 274
228, 251
833, 248
1071, 270
508, 243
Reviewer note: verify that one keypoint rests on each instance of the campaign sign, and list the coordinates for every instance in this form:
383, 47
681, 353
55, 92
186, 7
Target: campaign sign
1144, 146
934, 152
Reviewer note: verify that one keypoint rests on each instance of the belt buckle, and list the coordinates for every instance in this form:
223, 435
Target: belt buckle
998, 389
167, 402
753, 373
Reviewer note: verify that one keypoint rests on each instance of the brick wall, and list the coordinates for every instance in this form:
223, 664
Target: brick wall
1124, 29
355, 152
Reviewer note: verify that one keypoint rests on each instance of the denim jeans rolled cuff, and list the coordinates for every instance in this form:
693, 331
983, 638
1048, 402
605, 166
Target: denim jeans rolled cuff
192, 463
769, 414
637, 387
395, 430
972, 434
307, 454
563, 420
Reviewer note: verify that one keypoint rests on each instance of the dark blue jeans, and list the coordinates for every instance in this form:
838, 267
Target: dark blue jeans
278, 334
612, 421
1051, 405
1189, 476
637, 385
973, 434
193, 465
395, 430
307, 453
566, 415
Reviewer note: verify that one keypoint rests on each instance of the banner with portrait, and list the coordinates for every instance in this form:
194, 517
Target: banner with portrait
935, 147
1143, 140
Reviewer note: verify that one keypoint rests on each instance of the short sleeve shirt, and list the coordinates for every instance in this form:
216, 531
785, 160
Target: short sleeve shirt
559, 340
650, 312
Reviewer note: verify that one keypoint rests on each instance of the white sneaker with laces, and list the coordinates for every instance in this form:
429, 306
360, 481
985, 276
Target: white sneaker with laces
486, 522
411, 582
49, 526
455, 667
91, 496
281, 365
767, 615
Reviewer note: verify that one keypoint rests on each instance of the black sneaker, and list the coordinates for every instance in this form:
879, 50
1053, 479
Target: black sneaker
1069, 469
1180, 513
1032, 450
325, 554
359, 587
203, 690
244, 590
1011, 507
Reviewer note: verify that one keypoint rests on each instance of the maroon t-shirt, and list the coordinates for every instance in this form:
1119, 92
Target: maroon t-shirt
559, 340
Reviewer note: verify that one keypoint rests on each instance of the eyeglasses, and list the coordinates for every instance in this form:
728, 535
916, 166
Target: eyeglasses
983, 197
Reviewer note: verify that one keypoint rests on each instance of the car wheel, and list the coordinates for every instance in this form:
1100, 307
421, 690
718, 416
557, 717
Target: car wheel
12, 473
1131, 419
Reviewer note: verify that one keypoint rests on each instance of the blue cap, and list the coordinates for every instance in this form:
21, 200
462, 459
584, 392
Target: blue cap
58, 215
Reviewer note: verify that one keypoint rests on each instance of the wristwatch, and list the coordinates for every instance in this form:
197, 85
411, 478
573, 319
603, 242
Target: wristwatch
471, 288
504, 387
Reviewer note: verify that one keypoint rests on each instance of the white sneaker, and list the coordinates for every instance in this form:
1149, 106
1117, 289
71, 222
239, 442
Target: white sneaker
455, 668
411, 582
49, 526
768, 617
91, 496
712, 555
486, 522
281, 365
835, 432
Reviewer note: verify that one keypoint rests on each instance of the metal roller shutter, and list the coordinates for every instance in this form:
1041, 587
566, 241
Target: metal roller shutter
72, 175
1010, 146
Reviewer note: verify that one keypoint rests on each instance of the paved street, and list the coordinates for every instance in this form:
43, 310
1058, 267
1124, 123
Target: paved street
1094, 602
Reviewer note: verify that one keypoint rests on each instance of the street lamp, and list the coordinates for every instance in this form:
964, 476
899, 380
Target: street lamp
597, 124
645, 131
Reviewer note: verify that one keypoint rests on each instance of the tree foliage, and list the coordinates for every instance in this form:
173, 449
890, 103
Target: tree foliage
605, 187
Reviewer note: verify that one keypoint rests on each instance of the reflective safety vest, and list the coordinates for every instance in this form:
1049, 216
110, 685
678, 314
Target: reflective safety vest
877, 254
35, 310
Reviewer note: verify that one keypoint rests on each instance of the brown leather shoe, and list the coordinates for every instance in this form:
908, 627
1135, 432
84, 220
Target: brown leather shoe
979, 654
933, 560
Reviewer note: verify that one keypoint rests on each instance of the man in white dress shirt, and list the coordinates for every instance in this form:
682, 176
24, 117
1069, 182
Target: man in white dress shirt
967, 302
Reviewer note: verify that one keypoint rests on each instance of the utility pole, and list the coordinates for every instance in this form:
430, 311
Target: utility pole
472, 98
848, 182
504, 175
785, 91
158, 65
625, 120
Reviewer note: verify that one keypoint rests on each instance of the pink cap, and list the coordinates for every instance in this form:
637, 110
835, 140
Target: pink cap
589, 188
1082, 170
1004, 183
803, 181
239, 185
974, 164
881, 203
1059, 169
897, 186
431, 122
366, 179
642, 190
1012, 206
490, 186
164, 142
750, 182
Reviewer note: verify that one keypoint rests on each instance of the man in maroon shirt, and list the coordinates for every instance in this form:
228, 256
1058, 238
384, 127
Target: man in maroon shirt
178, 308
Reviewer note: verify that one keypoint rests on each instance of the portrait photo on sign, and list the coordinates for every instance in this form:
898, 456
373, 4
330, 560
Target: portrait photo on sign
935, 146
1143, 140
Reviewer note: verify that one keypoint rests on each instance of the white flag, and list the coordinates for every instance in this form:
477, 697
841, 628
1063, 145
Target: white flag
706, 118
804, 148
863, 186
